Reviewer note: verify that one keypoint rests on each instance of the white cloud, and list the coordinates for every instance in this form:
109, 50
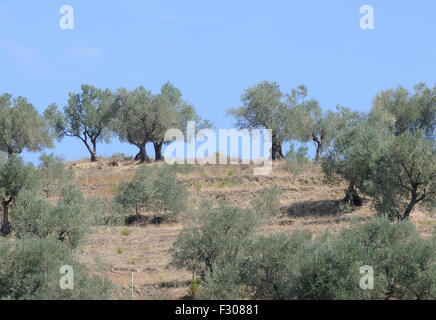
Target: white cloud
26, 57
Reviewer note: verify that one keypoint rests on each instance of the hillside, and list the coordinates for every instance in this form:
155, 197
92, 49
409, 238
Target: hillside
309, 203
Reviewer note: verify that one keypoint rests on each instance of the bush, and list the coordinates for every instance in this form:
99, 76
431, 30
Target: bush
267, 204
154, 189
267, 266
183, 168
298, 267
403, 263
30, 270
126, 232
53, 174
296, 161
168, 197
69, 219
194, 286
221, 284
215, 237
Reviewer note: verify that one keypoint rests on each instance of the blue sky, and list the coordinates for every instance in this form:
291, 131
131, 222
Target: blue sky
214, 50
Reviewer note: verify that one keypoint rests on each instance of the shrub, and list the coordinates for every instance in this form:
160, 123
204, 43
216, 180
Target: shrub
267, 266
15, 177
296, 161
53, 174
221, 284
298, 267
183, 168
29, 269
194, 285
154, 189
69, 219
168, 197
126, 232
215, 237
267, 204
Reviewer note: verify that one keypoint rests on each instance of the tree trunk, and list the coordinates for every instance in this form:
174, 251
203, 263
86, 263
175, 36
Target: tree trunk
409, 208
137, 213
142, 155
5, 227
318, 144
318, 152
158, 151
276, 151
352, 196
94, 152
93, 156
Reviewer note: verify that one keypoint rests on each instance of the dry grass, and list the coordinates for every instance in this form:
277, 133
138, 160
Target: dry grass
308, 204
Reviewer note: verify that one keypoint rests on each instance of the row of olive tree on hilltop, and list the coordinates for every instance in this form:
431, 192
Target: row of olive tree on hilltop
290, 117
388, 153
136, 117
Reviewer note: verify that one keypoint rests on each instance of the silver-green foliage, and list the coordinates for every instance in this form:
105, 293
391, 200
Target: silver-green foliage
69, 219
264, 107
267, 203
296, 160
30, 270
15, 176
412, 110
53, 174
301, 266
86, 117
21, 127
155, 190
215, 236
405, 175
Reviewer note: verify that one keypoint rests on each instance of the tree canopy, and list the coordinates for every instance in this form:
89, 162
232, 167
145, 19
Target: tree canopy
263, 107
21, 126
412, 111
86, 117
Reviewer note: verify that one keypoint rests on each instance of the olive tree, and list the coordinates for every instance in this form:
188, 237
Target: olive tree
296, 160
30, 271
412, 111
133, 195
171, 111
214, 236
134, 119
263, 107
155, 190
312, 124
53, 173
68, 219
15, 176
21, 126
86, 117
164, 116
354, 155
405, 175
267, 203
